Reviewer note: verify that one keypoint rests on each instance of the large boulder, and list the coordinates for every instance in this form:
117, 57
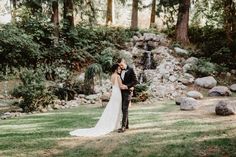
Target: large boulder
195, 95
80, 77
92, 97
180, 51
136, 51
219, 91
178, 100
189, 104
187, 67
225, 108
173, 78
191, 60
187, 79
73, 103
2, 96
233, 88
160, 50
149, 36
206, 82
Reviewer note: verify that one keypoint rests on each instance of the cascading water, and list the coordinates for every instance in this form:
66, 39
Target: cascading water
147, 62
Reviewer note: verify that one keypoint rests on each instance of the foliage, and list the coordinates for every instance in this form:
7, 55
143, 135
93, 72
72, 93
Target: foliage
208, 38
106, 59
17, 49
92, 71
140, 91
96, 39
169, 8
212, 43
32, 91
211, 10
203, 68
139, 88
65, 91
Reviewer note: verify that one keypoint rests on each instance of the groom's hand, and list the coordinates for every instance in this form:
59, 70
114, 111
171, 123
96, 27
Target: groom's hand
132, 88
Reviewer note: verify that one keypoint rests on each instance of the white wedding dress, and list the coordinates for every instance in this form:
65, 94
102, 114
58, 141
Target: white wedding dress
110, 119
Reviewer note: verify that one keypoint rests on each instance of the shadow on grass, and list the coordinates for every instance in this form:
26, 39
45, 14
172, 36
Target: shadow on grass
145, 144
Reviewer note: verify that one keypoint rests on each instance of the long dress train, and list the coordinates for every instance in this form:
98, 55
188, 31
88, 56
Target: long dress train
110, 119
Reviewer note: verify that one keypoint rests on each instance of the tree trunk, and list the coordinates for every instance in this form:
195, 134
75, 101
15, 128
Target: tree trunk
109, 19
13, 11
230, 25
153, 13
182, 22
91, 9
229, 19
55, 20
134, 19
69, 13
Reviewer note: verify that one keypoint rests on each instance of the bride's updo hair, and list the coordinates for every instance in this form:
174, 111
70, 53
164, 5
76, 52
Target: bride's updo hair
114, 67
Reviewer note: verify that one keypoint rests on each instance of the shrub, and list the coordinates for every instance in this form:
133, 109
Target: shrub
140, 91
65, 91
106, 59
33, 91
17, 49
208, 39
203, 68
91, 72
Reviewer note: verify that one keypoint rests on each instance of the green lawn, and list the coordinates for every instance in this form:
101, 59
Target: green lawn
157, 129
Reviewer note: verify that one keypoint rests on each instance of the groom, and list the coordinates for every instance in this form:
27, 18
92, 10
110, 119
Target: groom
129, 79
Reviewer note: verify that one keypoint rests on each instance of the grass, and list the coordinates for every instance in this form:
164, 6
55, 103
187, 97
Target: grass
157, 130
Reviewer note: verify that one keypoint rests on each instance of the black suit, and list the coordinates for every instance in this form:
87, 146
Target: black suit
129, 80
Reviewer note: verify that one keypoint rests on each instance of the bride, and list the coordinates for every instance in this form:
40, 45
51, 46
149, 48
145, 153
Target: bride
111, 116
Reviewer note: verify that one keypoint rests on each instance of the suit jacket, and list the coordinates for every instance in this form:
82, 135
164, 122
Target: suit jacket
130, 79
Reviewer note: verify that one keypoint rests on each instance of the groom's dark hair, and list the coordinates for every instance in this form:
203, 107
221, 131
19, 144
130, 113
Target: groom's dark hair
114, 67
120, 60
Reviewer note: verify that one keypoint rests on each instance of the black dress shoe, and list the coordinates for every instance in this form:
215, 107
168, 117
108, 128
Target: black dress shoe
127, 127
121, 130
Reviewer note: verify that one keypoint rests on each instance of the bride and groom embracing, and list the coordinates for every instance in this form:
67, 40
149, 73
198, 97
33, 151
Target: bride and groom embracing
123, 80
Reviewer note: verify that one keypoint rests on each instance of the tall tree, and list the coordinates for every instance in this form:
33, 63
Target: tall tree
109, 18
68, 13
182, 22
153, 13
230, 24
55, 18
13, 10
134, 18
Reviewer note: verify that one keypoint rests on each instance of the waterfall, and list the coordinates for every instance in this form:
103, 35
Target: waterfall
141, 78
147, 60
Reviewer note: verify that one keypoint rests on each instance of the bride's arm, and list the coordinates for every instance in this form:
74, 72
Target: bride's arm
121, 85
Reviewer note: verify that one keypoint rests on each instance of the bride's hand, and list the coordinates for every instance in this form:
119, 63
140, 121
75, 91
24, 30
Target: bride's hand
124, 87
132, 88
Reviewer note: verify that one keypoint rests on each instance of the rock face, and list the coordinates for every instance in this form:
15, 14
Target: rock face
189, 104
233, 88
206, 82
167, 78
225, 108
195, 94
219, 91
